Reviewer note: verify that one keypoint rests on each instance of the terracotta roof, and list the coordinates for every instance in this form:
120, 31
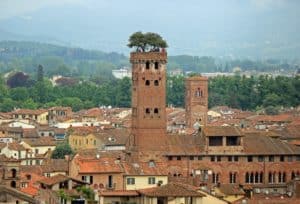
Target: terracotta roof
272, 118
54, 165
119, 193
3, 158
171, 190
185, 144
29, 111
231, 189
5, 115
16, 146
50, 181
93, 112
85, 130
30, 133
31, 190
42, 141
221, 131
116, 136
145, 168
18, 194
13, 146
257, 143
101, 165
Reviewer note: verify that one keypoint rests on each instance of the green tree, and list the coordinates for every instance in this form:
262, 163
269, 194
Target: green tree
271, 99
146, 42
19, 93
61, 151
8, 105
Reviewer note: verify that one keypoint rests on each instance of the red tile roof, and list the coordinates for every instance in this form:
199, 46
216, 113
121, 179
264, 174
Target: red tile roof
31, 190
101, 165
221, 131
29, 111
119, 193
171, 190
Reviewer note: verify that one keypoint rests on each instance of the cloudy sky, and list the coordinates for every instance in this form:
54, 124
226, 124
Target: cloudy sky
191, 26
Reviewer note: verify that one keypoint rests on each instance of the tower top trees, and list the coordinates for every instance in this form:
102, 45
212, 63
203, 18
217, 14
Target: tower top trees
147, 42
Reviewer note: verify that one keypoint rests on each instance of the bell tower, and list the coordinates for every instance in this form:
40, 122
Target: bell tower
196, 100
148, 103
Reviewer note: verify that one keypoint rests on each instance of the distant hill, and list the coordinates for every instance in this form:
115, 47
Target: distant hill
13, 49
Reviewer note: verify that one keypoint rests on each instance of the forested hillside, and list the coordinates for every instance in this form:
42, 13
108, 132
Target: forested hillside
93, 84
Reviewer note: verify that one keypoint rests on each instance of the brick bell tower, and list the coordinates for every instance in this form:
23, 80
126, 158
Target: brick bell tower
196, 100
149, 138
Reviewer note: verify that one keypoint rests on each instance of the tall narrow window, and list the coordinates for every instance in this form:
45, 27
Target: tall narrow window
232, 177
156, 65
215, 178
110, 181
147, 65
271, 177
156, 83
147, 83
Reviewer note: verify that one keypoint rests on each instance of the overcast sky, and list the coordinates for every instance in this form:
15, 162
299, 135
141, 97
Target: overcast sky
187, 24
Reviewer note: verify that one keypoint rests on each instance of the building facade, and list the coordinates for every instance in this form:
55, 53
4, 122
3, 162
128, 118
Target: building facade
196, 101
148, 139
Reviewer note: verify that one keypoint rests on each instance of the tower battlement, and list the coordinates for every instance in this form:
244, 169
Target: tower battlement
136, 57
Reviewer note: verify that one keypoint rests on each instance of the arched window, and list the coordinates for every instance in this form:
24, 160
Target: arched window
256, 178
198, 93
156, 110
232, 177
147, 111
252, 177
261, 177
271, 177
147, 65
156, 65
281, 177
247, 178
147, 83
293, 175
215, 178
156, 83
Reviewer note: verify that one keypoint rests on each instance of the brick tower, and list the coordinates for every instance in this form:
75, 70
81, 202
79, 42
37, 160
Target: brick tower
148, 104
196, 100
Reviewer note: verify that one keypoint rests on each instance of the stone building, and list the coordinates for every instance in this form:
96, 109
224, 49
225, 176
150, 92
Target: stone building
215, 154
196, 101
149, 140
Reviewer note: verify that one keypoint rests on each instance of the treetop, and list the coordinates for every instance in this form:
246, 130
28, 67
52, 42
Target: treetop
147, 42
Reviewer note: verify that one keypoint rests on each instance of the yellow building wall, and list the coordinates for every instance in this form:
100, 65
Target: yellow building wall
142, 182
43, 149
211, 199
78, 142
233, 198
42, 118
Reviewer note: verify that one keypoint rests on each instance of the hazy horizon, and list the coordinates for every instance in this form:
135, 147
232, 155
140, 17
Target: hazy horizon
250, 28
